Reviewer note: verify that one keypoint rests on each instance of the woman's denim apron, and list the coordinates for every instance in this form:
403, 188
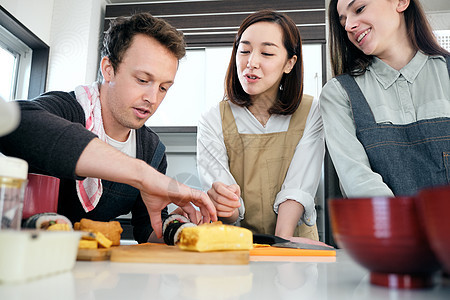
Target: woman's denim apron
409, 157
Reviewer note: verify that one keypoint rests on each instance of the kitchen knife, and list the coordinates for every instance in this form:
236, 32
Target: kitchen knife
302, 246
267, 239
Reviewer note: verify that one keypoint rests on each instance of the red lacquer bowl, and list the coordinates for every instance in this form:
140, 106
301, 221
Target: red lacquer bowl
434, 208
41, 195
385, 236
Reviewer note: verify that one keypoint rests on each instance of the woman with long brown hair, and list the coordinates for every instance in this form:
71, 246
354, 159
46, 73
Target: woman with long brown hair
386, 113
260, 150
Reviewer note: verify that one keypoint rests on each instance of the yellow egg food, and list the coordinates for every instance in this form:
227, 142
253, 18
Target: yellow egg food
102, 240
88, 244
94, 240
214, 237
60, 227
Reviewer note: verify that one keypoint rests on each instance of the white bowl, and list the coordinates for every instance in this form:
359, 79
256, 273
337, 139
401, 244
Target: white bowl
29, 254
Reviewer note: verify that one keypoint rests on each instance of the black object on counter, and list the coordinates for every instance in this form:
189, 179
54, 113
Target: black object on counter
267, 239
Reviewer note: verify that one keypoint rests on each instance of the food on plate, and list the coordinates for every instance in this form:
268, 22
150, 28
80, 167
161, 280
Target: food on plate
112, 230
214, 237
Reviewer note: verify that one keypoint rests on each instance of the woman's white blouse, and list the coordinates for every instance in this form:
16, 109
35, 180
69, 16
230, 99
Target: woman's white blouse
303, 176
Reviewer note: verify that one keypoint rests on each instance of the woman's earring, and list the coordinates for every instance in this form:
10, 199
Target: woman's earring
280, 87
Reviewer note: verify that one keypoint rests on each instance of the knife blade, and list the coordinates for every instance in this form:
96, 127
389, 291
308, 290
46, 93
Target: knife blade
302, 246
267, 239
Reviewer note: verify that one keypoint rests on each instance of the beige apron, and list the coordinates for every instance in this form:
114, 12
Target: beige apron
259, 163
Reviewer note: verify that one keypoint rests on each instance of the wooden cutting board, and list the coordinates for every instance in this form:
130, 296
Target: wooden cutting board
161, 253
94, 254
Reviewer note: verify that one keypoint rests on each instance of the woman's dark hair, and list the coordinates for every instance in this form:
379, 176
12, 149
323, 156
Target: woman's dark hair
290, 95
347, 58
122, 30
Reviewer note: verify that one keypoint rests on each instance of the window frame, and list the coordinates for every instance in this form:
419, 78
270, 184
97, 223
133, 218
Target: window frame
40, 56
22, 61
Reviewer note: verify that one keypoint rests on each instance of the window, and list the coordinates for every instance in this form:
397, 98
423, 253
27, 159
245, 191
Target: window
199, 84
7, 73
443, 38
30, 54
15, 59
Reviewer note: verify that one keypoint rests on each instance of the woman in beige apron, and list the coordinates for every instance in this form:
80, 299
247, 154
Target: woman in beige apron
260, 151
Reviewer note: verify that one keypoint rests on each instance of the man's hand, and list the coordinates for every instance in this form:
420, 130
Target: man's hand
161, 190
179, 211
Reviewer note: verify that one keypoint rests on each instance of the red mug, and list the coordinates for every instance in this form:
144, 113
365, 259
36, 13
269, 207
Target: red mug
41, 195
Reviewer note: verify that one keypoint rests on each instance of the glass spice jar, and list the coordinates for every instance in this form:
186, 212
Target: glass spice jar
13, 180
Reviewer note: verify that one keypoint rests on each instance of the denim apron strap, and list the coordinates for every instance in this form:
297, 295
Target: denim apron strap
361, 112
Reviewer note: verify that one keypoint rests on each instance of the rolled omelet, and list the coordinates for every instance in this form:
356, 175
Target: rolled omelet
215, 237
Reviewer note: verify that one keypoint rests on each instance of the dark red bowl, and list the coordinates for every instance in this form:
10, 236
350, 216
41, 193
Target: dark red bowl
385, 236
434, 207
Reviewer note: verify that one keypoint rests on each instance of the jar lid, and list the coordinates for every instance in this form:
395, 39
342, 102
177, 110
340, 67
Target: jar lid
13, 167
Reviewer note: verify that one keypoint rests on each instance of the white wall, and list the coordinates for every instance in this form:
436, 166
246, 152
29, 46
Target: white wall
435, 5
74, 43
440, 20
35, 15
72, 30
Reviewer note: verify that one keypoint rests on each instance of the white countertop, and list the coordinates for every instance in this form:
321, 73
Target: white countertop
342, 279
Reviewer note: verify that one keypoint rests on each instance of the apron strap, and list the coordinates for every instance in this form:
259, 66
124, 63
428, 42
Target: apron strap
229, 126
361, 112
299, 117
227, 117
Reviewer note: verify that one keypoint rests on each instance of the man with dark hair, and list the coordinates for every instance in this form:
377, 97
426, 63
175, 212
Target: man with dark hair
95, 139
